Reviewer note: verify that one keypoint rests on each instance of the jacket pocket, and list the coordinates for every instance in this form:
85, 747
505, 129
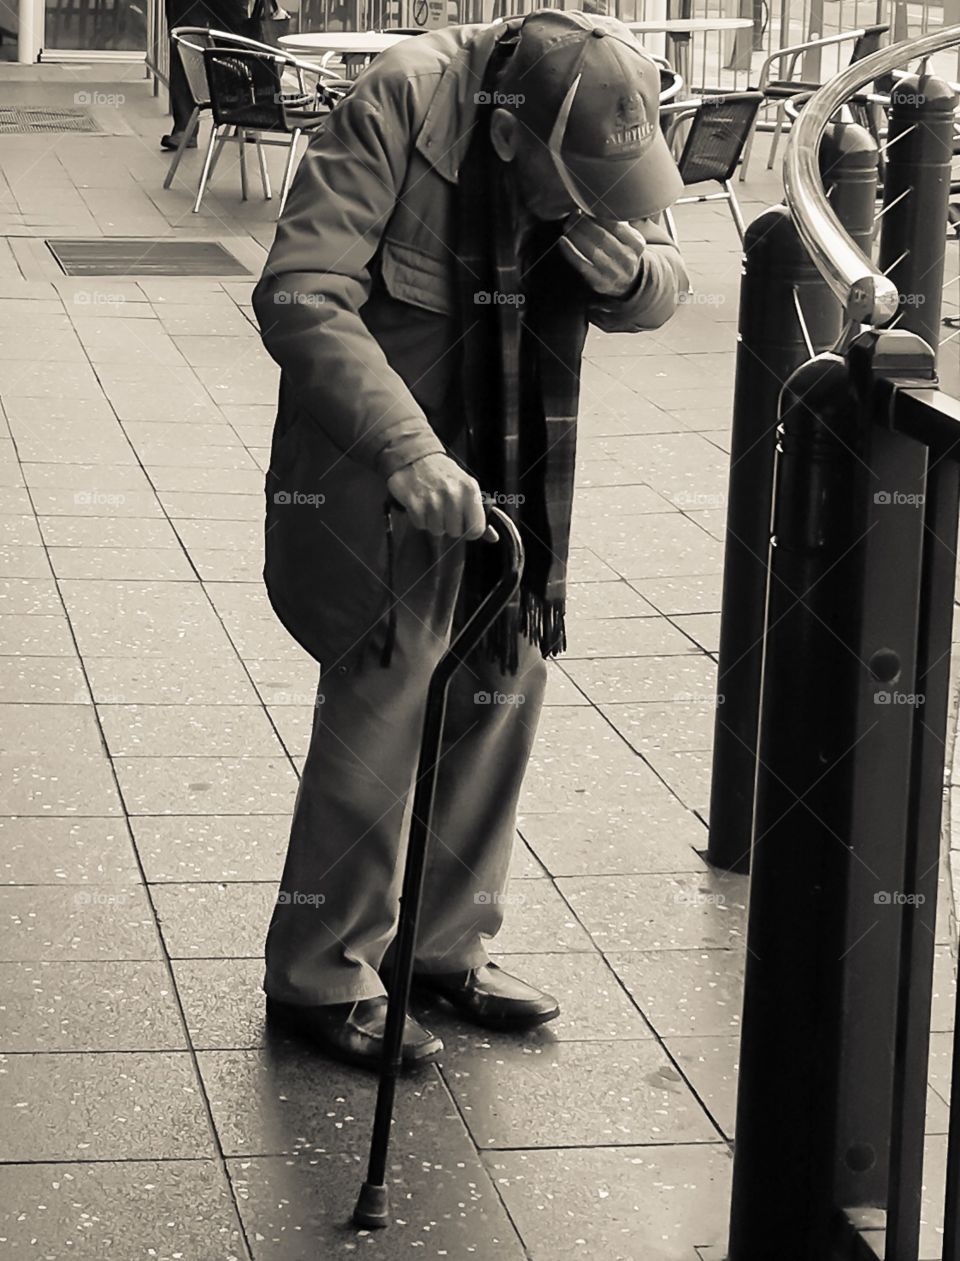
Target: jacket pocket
411, 275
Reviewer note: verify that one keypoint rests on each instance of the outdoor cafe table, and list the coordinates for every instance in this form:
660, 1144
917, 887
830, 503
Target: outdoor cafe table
680, 32
354, 47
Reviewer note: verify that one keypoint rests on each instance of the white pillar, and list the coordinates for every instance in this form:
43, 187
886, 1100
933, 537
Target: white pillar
29, 30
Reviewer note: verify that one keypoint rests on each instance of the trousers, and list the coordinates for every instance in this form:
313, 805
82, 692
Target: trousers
336, 913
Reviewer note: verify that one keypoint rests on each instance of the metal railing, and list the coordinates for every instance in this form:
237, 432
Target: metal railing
838, 611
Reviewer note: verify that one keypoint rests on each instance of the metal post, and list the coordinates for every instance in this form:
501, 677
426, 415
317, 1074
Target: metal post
782, 1175
916, 192
786, 314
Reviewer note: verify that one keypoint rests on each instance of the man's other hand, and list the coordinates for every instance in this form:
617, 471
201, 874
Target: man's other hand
607, 255
440, 497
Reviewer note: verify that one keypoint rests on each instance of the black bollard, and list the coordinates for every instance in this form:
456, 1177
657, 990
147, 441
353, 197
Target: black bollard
778, 278
916, 194
791, 1026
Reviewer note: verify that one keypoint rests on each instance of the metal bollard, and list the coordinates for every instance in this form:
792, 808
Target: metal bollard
916, 193
778, 280
791, 1028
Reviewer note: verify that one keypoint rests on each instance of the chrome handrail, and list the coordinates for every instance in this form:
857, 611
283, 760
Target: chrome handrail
865, 294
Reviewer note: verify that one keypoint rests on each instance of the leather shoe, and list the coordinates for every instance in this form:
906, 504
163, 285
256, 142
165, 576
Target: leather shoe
490, 997
173, 141
353, 1032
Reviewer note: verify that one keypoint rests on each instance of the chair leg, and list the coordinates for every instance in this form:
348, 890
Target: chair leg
207, 168
671, 226
220, 144
748, 148
288, 171
735, 208
778, 128
188, 134
242, 144
264, 177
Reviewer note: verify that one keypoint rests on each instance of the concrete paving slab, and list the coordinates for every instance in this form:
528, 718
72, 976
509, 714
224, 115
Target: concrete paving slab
214, 921
66, 851
215, 848
143, 1209
575, 1094
186, 680
66, 1006
281, 1100
162, 731
85, 922
136, 1106
658, 912
206, 785
630, 1203
446, 1207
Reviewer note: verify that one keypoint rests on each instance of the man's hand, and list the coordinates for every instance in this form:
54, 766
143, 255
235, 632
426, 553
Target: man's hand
607, 255
440, 497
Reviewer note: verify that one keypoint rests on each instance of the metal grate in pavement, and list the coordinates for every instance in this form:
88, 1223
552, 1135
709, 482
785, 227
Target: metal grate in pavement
21, 119
141, 256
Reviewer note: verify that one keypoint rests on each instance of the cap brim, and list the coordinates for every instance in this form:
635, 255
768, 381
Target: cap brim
635, 188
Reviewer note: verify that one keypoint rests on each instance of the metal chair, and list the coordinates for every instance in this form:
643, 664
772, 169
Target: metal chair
248, 95
866, 40
189, 43
720, 127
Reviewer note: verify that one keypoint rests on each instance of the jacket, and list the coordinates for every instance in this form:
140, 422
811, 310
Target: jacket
357, 306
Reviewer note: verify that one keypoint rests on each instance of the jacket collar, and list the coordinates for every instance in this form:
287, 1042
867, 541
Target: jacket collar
446, 132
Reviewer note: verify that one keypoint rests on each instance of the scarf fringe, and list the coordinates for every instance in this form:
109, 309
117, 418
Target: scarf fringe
542, 622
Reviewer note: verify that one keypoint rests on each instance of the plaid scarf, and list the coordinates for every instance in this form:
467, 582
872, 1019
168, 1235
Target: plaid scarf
523, 325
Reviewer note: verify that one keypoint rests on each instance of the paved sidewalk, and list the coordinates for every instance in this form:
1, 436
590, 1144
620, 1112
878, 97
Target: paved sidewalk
156, 715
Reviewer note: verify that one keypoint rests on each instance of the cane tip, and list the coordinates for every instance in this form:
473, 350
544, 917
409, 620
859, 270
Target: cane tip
373, 1207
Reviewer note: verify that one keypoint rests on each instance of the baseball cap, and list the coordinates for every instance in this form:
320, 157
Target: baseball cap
585, 87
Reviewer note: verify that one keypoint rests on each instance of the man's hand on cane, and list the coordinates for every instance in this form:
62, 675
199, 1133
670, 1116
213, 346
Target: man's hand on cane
441, 498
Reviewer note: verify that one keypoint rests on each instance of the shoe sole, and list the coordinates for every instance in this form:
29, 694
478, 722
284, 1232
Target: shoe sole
357, 1059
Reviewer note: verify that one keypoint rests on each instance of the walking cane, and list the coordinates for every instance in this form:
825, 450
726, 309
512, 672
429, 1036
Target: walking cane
373, 1209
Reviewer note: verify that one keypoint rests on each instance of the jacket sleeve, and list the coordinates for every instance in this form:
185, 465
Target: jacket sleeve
656, 295
317, 278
